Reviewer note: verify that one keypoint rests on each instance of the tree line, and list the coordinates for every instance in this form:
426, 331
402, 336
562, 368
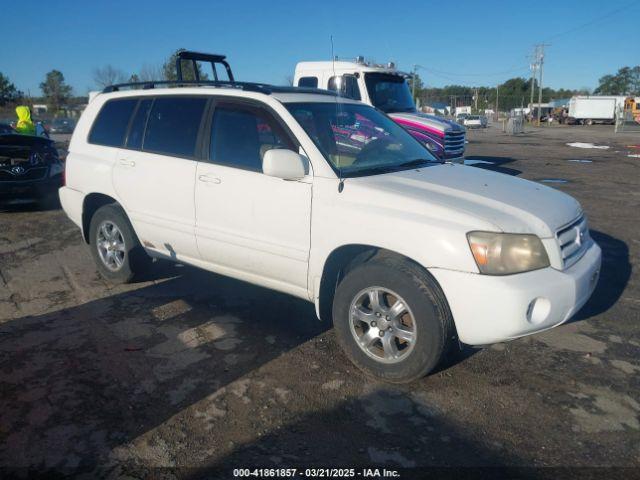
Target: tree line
516, 92
56, 93
110, 75
513, 93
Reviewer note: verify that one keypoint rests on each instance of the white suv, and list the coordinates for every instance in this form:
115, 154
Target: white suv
329, 200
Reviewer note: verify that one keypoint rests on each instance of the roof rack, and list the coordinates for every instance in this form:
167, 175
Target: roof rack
246, 86
195, 57
213, 59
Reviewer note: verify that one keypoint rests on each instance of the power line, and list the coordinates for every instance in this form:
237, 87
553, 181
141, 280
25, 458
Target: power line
447, 75
594, 21
504, 72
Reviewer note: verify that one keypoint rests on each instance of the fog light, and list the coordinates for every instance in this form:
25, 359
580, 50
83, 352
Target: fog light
538, 310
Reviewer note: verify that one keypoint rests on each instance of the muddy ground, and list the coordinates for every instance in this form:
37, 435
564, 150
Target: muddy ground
191, 370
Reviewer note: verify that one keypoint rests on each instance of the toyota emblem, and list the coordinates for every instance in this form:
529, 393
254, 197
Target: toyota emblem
17, 170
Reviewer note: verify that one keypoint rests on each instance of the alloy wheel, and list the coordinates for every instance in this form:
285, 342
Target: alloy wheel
382, 324
110, 245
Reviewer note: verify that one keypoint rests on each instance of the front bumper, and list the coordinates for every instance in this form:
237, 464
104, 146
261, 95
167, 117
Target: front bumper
489, 309
32, 190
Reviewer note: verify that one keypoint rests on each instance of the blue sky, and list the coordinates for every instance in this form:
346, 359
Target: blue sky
461, 42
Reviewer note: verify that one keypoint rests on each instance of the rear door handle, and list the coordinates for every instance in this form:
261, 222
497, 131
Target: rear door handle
127, 163
209, 179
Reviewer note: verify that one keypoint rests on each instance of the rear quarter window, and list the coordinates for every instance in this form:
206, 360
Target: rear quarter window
110, 126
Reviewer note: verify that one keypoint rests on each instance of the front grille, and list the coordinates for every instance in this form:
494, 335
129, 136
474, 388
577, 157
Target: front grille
454, 142
29, 174
573, 241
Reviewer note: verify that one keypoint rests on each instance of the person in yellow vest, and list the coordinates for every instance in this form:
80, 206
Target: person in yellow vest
24, 126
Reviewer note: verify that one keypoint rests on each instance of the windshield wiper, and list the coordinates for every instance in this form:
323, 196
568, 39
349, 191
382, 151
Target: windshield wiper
391, 168
361, 172
417, 162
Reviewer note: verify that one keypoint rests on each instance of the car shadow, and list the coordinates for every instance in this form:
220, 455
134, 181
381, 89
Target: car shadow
78, 382
30, 205
614, 276
495, 164
378, 438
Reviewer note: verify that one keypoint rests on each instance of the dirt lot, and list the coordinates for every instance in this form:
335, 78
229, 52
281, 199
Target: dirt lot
189, 369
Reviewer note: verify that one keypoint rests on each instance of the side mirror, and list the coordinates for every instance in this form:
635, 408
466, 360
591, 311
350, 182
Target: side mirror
284, 164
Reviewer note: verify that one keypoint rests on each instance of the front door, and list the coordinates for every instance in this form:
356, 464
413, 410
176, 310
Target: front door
248, 224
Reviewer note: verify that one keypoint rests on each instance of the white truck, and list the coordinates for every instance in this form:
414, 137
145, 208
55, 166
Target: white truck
590, 109
385, 88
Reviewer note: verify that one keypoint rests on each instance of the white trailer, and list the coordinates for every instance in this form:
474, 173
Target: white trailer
594, 109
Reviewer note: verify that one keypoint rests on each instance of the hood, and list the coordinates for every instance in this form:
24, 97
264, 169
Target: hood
12, 140
24, 115
428, 123
481, 199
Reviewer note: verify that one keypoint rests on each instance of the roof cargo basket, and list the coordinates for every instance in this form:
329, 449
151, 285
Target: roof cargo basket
213, 59
195, 57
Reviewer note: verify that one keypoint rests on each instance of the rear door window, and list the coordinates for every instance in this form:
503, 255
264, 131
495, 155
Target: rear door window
112, 122
173, 126
138, 124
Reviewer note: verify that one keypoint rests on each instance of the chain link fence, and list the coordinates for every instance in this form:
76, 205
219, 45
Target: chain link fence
627, 121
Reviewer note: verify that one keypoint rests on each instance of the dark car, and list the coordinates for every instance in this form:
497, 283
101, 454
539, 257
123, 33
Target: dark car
6, 128
62, 125
30, 169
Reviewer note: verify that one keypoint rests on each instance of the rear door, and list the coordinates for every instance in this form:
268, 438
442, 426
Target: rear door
248, 224
154, 173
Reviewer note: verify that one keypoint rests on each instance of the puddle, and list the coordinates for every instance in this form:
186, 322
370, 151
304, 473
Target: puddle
587, 145
554, 180
580, 161
471, 161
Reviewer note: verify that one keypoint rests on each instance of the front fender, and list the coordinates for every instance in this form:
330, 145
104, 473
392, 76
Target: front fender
431, 235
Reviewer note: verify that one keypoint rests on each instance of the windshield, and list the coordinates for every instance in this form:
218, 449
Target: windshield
359, 140
389, 93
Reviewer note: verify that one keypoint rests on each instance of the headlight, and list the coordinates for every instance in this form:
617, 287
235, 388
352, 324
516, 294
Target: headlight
507, 253
433, 147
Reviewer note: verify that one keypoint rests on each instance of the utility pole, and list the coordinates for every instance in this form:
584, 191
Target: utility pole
534, 66
540, 66
497, 97
413, 80
476, 100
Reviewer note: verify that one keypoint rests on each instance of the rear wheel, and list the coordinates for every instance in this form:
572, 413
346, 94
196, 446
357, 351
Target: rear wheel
115, 246
392, 319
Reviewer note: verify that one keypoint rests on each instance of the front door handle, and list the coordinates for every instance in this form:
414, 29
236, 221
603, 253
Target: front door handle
127, 163
209, 179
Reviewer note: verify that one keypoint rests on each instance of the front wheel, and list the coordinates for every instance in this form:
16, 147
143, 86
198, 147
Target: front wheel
115, 246
392, 319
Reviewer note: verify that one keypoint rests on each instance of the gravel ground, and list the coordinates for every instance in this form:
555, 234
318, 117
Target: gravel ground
189, 370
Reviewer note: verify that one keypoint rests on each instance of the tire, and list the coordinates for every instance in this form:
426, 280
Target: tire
427, 316
129, 258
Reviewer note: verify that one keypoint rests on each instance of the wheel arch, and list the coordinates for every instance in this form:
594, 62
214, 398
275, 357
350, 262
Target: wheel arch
92, 202
344, 258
